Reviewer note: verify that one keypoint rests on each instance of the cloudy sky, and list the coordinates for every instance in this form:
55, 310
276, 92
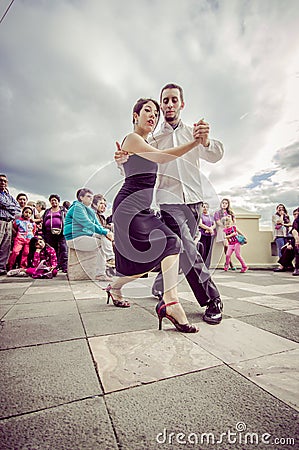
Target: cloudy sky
72, 69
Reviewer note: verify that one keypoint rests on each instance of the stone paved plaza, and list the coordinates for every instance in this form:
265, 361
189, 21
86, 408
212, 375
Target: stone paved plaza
77, 373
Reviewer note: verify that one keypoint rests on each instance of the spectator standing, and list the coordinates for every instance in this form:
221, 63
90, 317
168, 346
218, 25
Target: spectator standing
52, 228
207, 226
281, 224
231, 232
295, 233
22, 199
9, 209
66, 206
41, 207
224, 211
25, 230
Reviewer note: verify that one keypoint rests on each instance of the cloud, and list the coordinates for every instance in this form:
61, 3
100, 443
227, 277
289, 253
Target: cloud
73, 70
288, 157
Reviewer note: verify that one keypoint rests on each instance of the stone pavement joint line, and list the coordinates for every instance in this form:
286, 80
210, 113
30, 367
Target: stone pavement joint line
77, 373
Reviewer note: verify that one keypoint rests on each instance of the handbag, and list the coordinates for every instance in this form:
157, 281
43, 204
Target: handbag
54, 230
241, 239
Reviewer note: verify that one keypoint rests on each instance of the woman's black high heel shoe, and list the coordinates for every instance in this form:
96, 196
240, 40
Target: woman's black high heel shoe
161, 312
116, 302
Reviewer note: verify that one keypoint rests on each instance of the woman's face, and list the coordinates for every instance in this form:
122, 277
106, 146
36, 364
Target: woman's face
87, 199
205, 208
280, 209
101, 206
40, 243
54, 202
148, 117
224, 204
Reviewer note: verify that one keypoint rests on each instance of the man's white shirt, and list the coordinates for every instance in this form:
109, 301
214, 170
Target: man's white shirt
179, 181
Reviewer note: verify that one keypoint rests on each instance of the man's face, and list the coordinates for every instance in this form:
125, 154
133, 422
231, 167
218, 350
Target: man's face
3, 183
171, 105
22, 200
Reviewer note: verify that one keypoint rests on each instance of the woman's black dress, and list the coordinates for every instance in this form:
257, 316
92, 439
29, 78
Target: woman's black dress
142, 240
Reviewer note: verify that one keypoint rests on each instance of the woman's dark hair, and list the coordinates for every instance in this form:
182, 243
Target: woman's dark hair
286, 214
54, 196
141, 102
32, 249
81, 192
228, 208
172, 86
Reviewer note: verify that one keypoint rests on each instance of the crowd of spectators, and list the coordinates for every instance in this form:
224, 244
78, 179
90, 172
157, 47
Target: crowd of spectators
34, 239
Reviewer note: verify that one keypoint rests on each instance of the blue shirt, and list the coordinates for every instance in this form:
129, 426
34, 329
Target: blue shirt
9, 207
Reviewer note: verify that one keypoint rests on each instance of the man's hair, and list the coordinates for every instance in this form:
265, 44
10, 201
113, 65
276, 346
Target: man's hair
54, 196
21, 194
296, 210
172, 86
81, 192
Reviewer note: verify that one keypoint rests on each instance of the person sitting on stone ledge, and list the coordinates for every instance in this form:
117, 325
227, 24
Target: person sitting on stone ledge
83, 231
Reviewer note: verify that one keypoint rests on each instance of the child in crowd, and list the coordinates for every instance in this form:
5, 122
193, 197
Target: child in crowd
24, 228
42, 260
231, 232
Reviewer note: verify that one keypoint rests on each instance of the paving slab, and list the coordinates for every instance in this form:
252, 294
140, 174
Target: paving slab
130, 359
204, 407
4, 309
10, 296
40, 330
50, 288
274, 301
44, 297
82, 425
118, 320
235, 341
75, 353
43, 376
277, 374
239, 307
30, 310
270, 289
87, 289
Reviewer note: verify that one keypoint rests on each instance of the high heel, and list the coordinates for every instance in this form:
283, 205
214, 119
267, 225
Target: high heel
116, 302
161, 312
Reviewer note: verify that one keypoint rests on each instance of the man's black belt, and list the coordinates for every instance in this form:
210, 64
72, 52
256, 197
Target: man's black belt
5, 219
